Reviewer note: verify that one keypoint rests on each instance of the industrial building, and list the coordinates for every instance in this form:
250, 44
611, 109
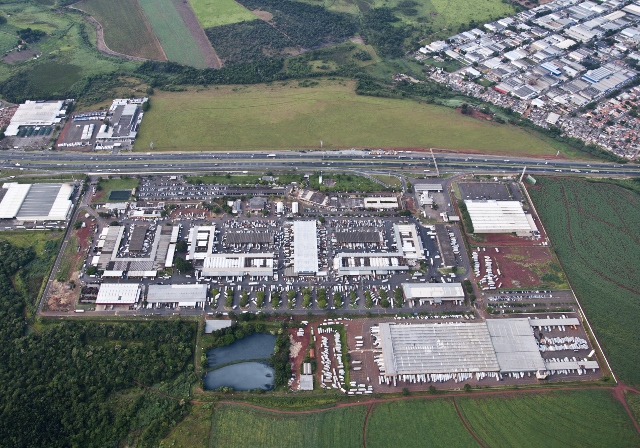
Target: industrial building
381, 203
34, 113
201, 242
417, 294
439, 352
118, 294
36, 202
184, 296
157, 257
420, 188
500, 217
408, 241
409, 251
230, 265
305, 248
125, 118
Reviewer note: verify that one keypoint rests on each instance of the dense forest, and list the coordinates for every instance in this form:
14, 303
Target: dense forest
76, 383
293, 25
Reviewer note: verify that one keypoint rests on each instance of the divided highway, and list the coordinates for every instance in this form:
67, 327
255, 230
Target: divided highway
416, 162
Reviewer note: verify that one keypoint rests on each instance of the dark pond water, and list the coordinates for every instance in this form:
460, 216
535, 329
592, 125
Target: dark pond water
254, 346
242, 376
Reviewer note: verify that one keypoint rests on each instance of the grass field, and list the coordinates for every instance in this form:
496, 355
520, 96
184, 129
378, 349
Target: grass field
177, 41
560, 419
594, 230
126, 29
633, 400
212, 13
392, 181
108, 185
193, 431
287, 116
234, 426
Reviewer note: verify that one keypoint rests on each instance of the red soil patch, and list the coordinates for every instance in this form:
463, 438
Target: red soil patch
517, 265
296, 363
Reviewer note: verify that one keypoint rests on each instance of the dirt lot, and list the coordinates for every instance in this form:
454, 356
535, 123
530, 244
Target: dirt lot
299, 346
62, 297
520, 267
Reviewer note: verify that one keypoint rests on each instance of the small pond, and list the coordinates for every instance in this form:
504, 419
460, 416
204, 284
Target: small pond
254, 346
242, 376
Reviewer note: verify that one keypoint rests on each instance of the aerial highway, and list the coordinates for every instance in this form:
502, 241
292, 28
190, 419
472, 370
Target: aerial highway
189, 162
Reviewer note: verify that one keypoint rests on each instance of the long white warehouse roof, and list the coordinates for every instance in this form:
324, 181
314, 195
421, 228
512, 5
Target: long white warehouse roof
118, 293
433, 290
305, 247
13, 198
193, 293
497, 217
36, 202
33, 113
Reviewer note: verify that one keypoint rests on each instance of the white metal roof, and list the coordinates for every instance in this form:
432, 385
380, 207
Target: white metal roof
437, 348
515, 345
170, 253
444, 291
497, 216
32, 113
305, 247
177, 293
118, 293
13, 198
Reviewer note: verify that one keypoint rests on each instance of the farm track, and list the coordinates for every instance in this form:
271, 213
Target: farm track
210, 56
101, 44
466, 425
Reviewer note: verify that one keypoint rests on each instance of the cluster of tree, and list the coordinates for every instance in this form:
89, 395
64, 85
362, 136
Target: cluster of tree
248, 41
237, 331
280, 360
466, 218
379, 28
55, 385
29, 35
183, 266
308, 26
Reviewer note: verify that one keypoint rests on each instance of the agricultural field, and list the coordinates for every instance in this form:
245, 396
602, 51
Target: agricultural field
593, 228
633, 401
175, 37
126, 29
413, 422
235, 426
211, 13
567, 418
578, 418
288, 116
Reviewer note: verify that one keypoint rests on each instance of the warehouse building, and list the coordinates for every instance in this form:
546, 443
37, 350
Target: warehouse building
36, 202
409, 241
201, 242
381, 203
305, 248
417, 294
229, 265
34, 113
183, 296
353, 264
119, 294
500, 217
419, 188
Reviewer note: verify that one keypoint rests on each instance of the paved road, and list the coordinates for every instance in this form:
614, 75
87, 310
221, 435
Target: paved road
136, 163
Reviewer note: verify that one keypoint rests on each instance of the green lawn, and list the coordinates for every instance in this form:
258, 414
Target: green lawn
109, 185
126, 29
286, 116
212, 13
594, 230
554, 419
416, 423
235, 426
177, 41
